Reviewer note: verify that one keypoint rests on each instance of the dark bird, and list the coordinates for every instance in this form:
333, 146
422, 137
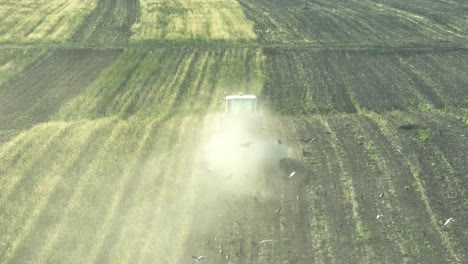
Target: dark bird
408, 126
198, 258
246, 145
279, 141
306, 153
307, 140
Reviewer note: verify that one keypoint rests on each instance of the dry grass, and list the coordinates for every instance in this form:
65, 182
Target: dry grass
41, 20
199, 20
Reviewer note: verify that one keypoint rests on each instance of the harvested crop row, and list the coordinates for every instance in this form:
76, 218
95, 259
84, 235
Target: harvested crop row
54, 78
193, 20
121, 177
168, 82
42, 21
83, 191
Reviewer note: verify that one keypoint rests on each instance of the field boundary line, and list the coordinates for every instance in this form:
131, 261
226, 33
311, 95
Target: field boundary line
364, 46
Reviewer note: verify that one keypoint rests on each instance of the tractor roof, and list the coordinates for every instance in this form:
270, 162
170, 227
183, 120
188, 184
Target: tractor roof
235, 97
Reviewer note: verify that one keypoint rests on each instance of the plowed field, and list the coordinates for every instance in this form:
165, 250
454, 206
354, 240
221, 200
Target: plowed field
110, 150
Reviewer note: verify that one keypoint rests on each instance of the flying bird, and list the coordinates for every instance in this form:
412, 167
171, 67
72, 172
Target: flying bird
292, 174
379, 216
381, 195
306, 153
198, 258
307, 140
266, 241
448, 221
246, 145
278, 210
279, 141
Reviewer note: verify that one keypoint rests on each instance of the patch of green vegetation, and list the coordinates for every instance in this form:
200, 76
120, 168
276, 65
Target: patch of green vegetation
414, 250
398, 114
369, 146
424, 135
465, 120
362, 233
425, 107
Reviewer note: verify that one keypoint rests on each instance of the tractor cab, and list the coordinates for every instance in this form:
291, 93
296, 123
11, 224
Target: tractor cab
239, 104
241, 115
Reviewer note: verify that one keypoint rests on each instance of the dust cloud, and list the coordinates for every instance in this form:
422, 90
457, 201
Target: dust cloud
241, 164
237, 158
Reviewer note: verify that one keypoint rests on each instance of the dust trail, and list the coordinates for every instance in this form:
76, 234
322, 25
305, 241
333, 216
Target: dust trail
239, 171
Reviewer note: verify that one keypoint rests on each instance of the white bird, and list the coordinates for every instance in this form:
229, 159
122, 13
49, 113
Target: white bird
448, 221
198, 258
379, 216
266, 241
292, 174
278, 210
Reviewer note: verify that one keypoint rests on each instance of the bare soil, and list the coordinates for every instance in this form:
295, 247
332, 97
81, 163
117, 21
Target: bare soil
46, 85
109, 24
